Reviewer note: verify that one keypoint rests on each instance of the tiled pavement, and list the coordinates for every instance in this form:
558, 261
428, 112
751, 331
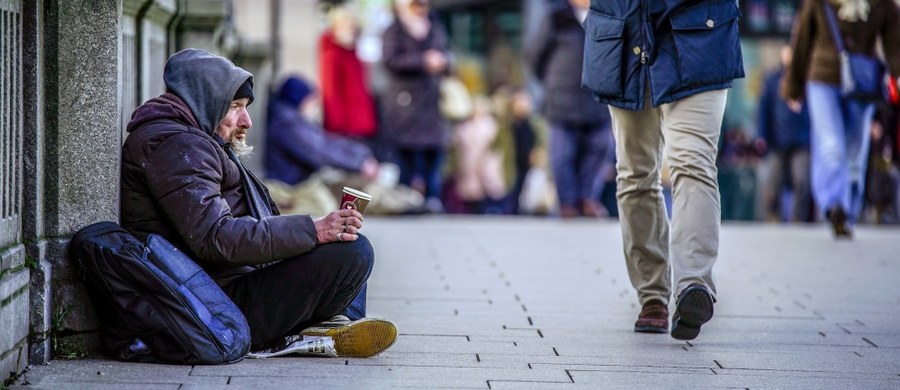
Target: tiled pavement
510, 303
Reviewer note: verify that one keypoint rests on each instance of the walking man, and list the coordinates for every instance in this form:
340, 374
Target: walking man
663, 67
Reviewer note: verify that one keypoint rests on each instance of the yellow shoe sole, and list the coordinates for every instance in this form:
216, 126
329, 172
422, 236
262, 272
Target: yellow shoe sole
361, 338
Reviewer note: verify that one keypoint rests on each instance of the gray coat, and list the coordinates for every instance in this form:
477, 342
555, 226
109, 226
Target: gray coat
412, 119
555, 56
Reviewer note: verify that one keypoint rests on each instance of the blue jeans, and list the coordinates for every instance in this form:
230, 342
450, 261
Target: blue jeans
425, 164
840, 148
577, 155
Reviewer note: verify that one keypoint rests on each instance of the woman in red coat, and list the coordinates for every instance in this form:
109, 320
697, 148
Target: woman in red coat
347, 105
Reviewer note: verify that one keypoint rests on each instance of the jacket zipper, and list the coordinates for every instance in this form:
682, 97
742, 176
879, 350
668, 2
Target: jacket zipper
644, 38
644, 57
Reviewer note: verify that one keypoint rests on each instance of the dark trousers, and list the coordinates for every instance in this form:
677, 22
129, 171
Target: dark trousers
425, 164
577, 156
290, 295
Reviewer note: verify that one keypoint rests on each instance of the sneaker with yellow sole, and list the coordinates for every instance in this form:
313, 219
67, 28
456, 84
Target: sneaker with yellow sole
361, 338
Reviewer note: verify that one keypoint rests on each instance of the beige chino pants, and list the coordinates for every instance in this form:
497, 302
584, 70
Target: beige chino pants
688, 132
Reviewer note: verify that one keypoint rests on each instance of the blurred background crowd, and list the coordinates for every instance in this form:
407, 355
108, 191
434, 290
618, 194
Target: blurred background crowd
475, 106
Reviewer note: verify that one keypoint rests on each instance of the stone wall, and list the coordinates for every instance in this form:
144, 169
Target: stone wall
14, 275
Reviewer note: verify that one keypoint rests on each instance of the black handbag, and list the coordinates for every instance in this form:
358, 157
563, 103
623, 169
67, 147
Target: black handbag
862, 76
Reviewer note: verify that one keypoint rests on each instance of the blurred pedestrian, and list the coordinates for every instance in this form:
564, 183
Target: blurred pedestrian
786, 136
416, 57
307, 166
840, 125
580, 137
347, 106
478, 175
524, 143
664, 67
883, 181
296, 147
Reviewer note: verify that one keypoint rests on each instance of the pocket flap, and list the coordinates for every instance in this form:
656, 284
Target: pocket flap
705, 17
600, 26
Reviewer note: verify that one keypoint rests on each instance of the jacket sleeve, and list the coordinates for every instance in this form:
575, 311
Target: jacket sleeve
344, 153
803, 36
303, 145
184, 174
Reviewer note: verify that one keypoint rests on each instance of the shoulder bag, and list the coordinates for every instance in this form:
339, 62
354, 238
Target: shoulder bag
862, 76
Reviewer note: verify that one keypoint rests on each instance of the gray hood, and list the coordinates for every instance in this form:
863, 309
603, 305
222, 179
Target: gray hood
206, 82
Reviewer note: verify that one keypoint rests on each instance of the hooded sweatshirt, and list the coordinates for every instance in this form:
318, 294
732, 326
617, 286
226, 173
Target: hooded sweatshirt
178, 182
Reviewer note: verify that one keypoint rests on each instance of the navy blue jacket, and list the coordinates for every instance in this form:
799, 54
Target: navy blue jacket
782, 128
683, 47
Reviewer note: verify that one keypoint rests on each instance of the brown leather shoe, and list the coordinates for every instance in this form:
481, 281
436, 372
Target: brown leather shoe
654, 318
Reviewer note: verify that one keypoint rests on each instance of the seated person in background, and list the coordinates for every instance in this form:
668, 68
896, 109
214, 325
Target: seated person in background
297, 147
183, 180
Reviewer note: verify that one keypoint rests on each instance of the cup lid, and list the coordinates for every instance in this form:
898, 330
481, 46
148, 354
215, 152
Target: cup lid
357, 193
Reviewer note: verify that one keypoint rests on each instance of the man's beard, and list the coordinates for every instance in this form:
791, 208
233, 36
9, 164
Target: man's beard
240, 147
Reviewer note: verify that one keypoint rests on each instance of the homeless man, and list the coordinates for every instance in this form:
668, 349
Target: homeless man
182, 179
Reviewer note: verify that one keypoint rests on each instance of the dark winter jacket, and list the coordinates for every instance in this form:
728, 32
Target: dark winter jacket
555, 55
296, 148
412, 119
683, 47
178, 182
815, 55
782, 128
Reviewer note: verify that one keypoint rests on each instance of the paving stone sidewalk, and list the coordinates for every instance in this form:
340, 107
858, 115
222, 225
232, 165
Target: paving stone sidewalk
529, 303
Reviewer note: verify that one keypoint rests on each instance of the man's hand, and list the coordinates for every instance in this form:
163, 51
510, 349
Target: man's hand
795, 105
340, 225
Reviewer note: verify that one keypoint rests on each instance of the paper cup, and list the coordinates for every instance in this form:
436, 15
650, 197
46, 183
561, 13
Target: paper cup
355, 199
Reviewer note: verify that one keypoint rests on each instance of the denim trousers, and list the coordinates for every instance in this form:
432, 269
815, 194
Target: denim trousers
577, 155
687, 133
288, 296
790, 171
840, 148
425, 164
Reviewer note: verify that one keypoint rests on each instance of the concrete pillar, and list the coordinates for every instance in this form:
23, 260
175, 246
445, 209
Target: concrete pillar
201, 25
155, 47
79, 132
145, 49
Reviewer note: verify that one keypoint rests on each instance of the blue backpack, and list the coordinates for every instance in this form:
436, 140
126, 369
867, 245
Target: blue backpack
155, 304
